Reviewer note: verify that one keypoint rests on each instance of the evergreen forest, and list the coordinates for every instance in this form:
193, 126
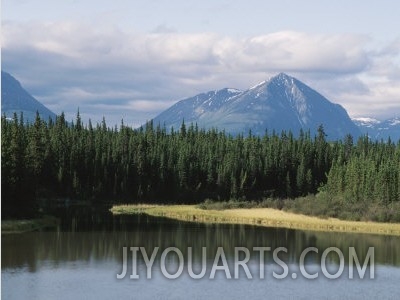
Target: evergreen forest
56, 160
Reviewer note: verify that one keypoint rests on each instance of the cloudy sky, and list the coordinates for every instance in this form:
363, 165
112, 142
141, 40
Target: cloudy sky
131, 59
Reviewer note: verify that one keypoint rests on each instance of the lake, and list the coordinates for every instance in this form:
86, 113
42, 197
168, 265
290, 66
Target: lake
82, 258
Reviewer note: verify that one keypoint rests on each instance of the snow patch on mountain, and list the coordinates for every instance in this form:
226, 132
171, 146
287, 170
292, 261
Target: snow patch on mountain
366, 121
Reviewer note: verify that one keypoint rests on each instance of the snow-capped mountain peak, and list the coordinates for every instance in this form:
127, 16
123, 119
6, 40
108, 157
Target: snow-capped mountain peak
377, 129
280, 103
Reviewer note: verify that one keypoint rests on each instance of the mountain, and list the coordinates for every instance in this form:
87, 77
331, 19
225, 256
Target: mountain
379, 129
281, 103
14, 98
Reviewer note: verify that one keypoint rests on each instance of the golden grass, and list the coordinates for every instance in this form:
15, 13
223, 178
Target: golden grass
258, 216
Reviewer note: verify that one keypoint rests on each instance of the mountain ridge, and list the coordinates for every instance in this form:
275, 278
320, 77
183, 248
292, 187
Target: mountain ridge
379, 129
280, 103
15, 99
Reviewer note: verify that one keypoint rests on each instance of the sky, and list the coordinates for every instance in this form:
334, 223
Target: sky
132, 59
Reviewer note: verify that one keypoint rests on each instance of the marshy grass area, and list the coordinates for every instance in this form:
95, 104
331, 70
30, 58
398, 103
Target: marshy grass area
21, 226
321, 205
261, 216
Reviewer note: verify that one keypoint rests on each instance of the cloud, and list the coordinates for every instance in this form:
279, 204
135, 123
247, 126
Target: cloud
135, 75
295, 51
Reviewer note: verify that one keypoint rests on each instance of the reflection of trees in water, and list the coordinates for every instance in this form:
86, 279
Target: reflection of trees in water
95, 237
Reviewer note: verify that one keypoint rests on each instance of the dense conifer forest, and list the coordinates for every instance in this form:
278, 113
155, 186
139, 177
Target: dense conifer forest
95, 163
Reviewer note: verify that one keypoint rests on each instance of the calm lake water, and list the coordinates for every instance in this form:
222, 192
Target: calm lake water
81, 260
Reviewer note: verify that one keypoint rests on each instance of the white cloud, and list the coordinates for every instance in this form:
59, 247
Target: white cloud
149, 105
295, 51
110, 72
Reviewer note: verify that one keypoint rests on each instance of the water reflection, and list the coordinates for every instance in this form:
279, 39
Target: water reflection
87, 235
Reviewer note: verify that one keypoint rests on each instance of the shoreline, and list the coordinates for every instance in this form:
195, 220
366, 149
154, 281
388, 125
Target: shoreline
267, 217
28, 225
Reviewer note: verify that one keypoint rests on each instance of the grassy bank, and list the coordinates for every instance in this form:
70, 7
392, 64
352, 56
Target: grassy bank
20, 226
268, 217
320, 205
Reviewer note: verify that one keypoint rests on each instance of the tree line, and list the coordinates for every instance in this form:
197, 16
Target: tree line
61, 160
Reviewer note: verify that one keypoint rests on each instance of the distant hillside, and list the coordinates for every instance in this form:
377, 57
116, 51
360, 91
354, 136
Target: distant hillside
281, 103
14, 98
